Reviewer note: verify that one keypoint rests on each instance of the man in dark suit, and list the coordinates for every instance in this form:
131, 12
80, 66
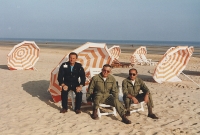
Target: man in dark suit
68, 78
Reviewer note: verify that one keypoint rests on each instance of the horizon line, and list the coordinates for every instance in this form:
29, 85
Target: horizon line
51, 39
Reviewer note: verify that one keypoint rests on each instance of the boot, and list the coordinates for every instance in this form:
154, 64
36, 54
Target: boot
94, 114
63, 111
150, 113
153, 116
128, 113
125, 120
78, 111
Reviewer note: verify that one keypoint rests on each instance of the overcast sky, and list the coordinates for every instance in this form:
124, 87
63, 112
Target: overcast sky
157, 20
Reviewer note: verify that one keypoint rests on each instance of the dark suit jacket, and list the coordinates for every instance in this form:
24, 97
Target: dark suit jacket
70, 78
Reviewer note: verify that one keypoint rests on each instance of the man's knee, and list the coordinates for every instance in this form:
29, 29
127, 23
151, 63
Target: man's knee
115, 100
127, 100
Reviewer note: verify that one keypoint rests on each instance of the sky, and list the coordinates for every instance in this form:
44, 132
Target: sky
150, 20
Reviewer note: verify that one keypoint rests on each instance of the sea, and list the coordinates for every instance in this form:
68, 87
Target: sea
116, 42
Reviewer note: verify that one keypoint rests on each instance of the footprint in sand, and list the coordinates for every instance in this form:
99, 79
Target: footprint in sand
178, 131
137, 125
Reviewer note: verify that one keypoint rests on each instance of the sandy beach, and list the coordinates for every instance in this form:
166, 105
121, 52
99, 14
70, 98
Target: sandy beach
28, 109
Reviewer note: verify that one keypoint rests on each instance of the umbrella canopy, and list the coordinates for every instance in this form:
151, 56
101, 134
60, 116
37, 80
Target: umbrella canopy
172, 64
90, 55
115, 51
139, 51
171, 48
23, 56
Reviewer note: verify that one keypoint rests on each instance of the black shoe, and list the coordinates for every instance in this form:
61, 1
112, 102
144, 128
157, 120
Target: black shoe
95, 117
125, 120
94, 114
63, 111
78, 111
153, 116
128, 113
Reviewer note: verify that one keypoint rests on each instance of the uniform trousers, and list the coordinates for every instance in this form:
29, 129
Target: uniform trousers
140, 98
110, 100
64, 98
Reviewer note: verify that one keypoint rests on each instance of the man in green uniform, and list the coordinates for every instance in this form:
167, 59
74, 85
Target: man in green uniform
103, 89
131, 87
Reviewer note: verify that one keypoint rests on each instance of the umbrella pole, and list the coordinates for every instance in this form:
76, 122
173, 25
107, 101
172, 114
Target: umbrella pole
190, 79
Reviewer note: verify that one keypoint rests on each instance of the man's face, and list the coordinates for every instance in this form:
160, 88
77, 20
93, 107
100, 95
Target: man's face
72, 59
106, 71
132, 75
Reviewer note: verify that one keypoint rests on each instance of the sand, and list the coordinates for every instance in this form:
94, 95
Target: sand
27, 107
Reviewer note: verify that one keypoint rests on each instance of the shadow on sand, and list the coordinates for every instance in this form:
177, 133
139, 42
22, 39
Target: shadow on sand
188, 72
39, 89
4, 67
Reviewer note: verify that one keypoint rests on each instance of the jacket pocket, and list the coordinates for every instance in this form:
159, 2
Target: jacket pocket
109, 86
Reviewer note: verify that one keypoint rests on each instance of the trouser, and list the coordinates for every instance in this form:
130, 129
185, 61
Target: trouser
64, 98
109, 101
140, 98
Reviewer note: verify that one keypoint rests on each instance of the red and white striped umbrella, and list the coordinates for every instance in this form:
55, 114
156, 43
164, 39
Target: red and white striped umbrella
171, 48
23, 56
172, 64
115, 51
90, 55
138, 51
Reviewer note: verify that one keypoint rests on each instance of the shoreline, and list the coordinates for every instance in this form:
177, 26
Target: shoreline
111, 41
151, 49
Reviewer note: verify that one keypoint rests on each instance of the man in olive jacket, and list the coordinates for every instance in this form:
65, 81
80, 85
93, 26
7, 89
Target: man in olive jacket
131, 87
68, 78
103, 89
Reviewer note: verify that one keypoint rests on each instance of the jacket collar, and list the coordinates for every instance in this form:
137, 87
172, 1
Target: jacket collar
100, 75
68, 63
129, 80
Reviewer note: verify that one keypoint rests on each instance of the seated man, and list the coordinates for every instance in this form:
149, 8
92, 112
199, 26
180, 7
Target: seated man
68, 78
103, 89
131, 87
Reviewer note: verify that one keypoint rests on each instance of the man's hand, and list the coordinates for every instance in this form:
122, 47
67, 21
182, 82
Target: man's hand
135, 101
78, 89
89, 97
146, 98
65, 87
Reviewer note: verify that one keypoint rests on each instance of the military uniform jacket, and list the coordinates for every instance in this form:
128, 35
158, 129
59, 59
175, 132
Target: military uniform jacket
129, 88
101, 88
70, 78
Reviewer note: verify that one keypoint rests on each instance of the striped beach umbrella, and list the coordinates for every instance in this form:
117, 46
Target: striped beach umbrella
115, 51
171, 48
139, 51
23, 56
90, 55
172, 64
